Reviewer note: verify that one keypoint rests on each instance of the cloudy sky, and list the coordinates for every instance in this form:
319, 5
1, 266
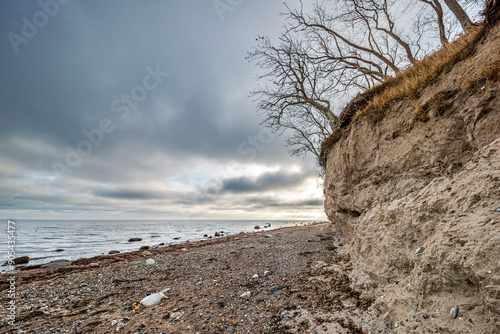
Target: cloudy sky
140, 110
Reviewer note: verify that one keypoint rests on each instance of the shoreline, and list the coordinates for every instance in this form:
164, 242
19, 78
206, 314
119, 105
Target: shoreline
297, 278
29, 272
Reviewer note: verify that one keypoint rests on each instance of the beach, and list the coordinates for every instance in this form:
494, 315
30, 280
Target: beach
289, 280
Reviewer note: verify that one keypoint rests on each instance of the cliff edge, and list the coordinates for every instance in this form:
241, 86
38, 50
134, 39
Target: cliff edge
417, 195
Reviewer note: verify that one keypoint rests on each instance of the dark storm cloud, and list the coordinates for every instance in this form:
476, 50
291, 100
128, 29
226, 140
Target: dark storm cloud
272, 180
92, 60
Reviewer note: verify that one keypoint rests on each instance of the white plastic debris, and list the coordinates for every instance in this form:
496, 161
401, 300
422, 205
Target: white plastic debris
153, 299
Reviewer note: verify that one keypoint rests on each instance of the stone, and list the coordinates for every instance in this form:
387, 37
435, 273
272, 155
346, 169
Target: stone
144, 248
176, 238
498, 210
453, 168
19, 260
205, 236
246, 295
176, 315
419, 250
134, 239
114, 252
425, 316
257, 227
268, 236
146, 253
150, 261
217, 234
399, 324
274, 289
57, 264
454, 312
267, 273
153, 299
59, 250
255, 276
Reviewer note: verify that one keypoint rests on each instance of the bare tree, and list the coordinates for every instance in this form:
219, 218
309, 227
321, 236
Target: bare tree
459, 13
438, 9
343, 47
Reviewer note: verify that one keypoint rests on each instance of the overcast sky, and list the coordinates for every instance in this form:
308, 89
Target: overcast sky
140, 110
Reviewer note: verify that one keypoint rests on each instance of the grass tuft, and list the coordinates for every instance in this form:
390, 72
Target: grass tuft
408, 84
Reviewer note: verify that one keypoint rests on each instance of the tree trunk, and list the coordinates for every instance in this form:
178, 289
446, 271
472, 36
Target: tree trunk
459, 13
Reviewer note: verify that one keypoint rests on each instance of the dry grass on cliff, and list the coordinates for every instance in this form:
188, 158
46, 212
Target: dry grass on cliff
409, 83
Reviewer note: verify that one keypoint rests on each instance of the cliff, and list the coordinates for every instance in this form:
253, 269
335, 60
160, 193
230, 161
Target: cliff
416, 192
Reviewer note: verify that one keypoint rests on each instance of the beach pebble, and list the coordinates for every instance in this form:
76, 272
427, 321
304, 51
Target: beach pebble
176, 315
498, 210
425, 316
146, 253
274, 289
419, 250
134, 239
268, 236
217, 234
246, 295
257, 227
454, 312
267, 273
153, 299
205, 236
114, 252
255, 276
144, 248
150, 261
399, 324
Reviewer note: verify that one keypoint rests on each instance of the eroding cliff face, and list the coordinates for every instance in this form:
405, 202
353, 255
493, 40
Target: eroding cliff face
404, 184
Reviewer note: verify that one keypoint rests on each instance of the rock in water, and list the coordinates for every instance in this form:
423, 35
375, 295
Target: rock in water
57, 264
144, 248
217, 234
134, 239
114, 252
454, 312
257, 227
19, 260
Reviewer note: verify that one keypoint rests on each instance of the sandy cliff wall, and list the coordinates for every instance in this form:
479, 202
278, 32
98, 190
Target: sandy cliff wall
403, 184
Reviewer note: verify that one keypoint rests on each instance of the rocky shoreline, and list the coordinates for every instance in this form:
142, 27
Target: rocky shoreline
289, 280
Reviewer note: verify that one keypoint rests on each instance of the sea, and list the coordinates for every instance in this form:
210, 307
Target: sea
47, 240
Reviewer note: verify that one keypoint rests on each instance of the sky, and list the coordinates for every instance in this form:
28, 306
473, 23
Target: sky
141, 110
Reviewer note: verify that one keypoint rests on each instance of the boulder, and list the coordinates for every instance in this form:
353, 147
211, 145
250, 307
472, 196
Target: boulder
19, 260
134, 239
57, 264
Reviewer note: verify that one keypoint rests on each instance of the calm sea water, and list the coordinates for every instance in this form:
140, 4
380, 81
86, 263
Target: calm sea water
39, 239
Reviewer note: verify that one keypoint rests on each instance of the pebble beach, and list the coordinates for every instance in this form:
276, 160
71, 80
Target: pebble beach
289, 280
